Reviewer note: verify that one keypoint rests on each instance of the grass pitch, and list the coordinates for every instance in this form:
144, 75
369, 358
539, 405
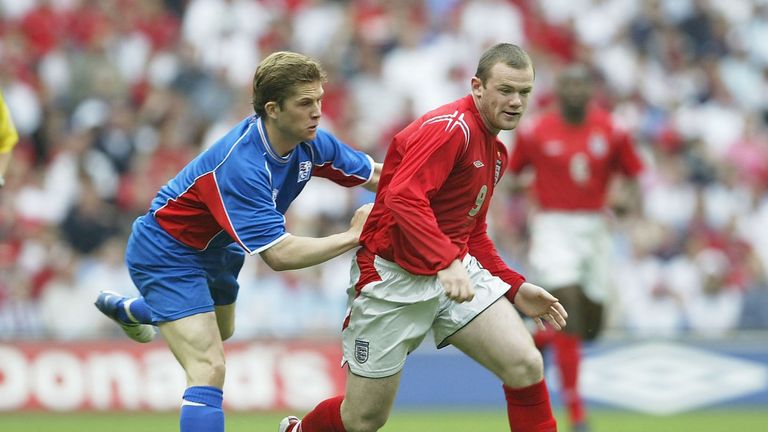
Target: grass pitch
401, 421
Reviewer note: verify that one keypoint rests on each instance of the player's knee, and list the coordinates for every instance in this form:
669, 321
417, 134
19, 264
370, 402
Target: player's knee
525, 369
365, 422
207, 373
218, 372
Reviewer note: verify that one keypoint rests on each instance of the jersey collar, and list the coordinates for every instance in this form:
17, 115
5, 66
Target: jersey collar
268, 146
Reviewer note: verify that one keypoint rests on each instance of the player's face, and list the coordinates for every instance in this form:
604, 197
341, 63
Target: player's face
574, 89
503, 97
299, 116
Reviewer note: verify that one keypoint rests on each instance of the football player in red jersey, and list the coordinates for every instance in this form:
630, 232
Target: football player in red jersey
427, 263
575, 152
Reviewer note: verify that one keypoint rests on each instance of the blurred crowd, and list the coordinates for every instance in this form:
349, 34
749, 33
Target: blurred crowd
112, 97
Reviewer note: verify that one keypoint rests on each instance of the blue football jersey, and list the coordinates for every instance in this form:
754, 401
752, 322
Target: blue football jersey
239, 189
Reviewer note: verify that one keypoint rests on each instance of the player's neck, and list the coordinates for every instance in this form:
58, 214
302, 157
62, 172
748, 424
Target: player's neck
574, 116
280, 143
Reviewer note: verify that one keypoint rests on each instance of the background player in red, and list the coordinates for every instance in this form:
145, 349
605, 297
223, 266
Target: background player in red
427, 263
574, 152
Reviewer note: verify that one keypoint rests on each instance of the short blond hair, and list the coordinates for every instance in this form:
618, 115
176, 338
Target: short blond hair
278, 75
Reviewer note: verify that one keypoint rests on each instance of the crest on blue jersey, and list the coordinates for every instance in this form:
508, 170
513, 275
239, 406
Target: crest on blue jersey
361, 351
305, 169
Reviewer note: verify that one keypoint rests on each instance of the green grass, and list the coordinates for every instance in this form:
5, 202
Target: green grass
401, 421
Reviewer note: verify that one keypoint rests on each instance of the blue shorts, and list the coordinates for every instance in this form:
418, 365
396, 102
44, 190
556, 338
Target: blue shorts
176, 280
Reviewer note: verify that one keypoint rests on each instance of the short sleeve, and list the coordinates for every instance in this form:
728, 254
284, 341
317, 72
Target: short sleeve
336, 161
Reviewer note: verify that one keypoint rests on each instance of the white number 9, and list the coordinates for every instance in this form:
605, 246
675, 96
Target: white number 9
479, 200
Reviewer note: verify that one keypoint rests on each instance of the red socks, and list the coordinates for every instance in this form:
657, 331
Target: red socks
528, 409
542, 338
568, 358
326, 417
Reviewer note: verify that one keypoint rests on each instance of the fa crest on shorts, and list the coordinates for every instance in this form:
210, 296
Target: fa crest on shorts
361, 351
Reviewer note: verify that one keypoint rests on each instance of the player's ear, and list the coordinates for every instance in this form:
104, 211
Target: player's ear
271, 108
477, 87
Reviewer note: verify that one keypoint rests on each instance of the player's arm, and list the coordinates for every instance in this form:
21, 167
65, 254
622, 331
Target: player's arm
342, 164
241, 201
373, 183
533, 300
295, 252
428, 159
624, 195
482, 248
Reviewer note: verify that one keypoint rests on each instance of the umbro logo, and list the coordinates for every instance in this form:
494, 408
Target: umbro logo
478, 164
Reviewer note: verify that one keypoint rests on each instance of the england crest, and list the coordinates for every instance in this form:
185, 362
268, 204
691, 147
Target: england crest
361, 351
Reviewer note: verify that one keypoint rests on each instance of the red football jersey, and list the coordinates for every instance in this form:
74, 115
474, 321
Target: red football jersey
438, 178
574, 163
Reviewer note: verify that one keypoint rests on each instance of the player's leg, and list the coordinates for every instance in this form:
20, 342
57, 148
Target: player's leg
390, 312
196, 343
556, 257
584, 302
134, 315
567, 350
365, 407
368, 402
498, 339
225, 320
130, 313
223, 269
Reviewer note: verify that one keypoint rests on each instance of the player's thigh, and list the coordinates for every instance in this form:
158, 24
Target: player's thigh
387, 318
555, 255
368, 401
225, 319
499, 340
222, 267
594, 313
596, 281
196, 343
169, 275
585, 316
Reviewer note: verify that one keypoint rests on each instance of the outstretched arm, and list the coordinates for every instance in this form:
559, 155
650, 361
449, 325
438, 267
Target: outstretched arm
295, 252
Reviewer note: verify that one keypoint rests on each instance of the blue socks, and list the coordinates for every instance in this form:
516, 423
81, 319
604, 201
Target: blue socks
140, 312
201, 410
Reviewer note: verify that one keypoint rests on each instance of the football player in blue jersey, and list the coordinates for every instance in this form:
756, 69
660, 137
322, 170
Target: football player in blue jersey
185, 253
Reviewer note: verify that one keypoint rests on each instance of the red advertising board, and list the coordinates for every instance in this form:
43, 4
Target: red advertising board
131, 376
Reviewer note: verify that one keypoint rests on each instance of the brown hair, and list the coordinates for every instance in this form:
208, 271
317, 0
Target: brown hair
507, 53
277, 76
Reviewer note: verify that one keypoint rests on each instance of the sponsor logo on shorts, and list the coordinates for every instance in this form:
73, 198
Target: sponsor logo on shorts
361, 351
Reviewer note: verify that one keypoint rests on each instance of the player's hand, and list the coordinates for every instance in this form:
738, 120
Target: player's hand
539, 304
456, 283
358, 220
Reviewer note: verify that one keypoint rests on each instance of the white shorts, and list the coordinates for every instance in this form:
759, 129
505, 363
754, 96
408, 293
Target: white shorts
390, 311
571, 249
